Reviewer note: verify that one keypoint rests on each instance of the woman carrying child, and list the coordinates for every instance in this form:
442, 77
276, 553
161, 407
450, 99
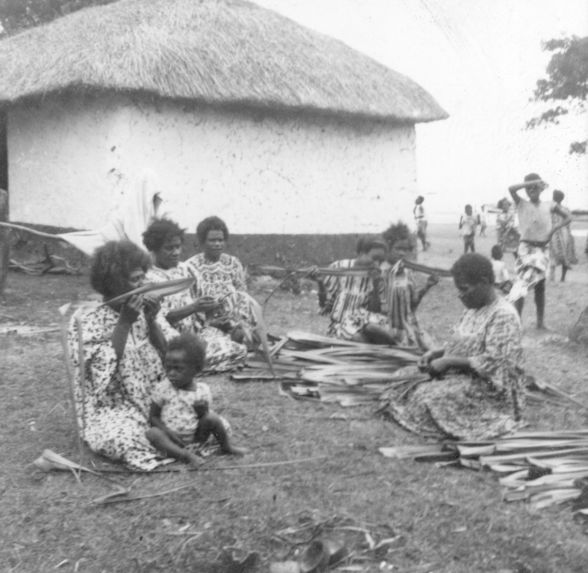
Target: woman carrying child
402, 295
165, 239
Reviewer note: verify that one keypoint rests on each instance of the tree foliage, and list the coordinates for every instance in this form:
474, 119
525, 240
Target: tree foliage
566, 84
16, 15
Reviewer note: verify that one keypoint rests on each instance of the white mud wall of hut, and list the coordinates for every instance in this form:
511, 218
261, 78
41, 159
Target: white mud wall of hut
71, 160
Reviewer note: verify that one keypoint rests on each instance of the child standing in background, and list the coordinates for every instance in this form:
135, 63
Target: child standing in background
501, 274
467, 225
421, 221
483, 220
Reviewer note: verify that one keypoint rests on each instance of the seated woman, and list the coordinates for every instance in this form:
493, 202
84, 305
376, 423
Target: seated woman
164, 239
475, 386
353, 300
402, 295
221, 276
122, 346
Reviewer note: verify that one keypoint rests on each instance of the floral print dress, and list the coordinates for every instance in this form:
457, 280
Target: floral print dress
562, 248
222, 353
113, 399
223, 279
475, 406
178, 410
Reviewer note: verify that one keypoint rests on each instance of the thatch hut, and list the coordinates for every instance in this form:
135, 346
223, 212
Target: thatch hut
237, 110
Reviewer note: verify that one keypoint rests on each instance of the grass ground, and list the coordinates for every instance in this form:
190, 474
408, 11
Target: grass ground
441, 520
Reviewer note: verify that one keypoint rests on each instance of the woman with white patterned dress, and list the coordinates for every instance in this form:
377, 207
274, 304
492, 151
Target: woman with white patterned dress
186, 313
122, 344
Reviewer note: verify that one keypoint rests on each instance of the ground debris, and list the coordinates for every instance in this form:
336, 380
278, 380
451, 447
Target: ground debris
313, 544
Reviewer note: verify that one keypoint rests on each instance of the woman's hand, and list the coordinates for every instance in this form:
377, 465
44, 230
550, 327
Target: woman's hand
313, 273
439, 366
426, 359
206, 304
131, 309
432, 281
151, 306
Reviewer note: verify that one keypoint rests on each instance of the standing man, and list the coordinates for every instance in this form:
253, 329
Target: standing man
536, 231
421, 221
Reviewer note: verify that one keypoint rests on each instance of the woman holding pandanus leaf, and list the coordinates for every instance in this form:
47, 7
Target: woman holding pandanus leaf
474, 391
121, 345
353, 299
164, 239
402, 295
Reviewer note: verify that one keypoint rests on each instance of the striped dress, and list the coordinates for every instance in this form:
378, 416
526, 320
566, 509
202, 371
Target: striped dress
350, 301
401, 294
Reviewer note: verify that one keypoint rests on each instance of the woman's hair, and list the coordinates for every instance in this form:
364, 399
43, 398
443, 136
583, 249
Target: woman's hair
473, 269
194, 348
159, 231
366, 244
211, 224
397, 232
558, 196
112, 264
496, 252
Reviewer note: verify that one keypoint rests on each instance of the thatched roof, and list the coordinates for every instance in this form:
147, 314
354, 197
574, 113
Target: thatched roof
219, 52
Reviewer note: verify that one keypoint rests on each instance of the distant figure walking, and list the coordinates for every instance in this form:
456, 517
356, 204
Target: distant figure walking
421, 221
537, 230
483, 221
562, 250
467, 225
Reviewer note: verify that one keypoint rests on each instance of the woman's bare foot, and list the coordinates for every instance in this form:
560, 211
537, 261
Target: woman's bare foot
194, 460
235, 451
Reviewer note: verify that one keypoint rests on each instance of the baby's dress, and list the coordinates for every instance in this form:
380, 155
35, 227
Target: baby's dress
177, 408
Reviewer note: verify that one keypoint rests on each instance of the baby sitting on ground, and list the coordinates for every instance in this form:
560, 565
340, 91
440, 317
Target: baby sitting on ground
180, 417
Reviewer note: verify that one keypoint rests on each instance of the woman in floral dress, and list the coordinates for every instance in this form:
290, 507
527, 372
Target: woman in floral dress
122, 344
221, 276
475, 386
164, 239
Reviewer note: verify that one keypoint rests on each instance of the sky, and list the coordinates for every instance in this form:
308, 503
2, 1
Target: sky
480, 59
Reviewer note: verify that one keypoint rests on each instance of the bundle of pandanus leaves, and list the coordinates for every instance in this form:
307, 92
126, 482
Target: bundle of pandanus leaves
311, 366
542, 468
333, 370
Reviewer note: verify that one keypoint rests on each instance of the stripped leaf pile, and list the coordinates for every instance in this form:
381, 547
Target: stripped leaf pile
541, 468
333, 370
311, 366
